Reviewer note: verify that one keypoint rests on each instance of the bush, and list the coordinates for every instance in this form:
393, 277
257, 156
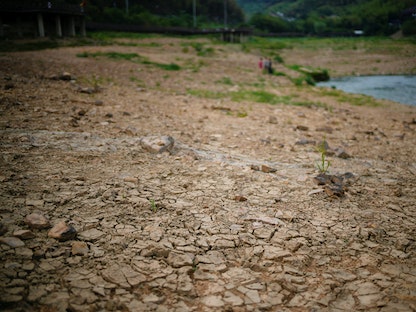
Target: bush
409, 28
269, 23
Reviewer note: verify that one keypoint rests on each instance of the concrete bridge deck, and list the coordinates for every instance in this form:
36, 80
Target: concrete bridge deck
40, 19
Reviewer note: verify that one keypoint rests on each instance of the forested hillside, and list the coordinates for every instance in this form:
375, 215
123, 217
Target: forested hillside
209, 13
374, 17
304, 17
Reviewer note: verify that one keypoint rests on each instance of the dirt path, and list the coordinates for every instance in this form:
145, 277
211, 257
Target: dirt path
230, 218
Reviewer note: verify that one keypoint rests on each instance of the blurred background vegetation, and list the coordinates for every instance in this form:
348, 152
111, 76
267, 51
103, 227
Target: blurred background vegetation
301, 17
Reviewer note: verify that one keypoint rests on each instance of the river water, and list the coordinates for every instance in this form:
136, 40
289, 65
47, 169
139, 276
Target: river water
401, 89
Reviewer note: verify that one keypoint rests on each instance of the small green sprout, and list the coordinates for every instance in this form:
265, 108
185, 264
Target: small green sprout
324, 164
153, 205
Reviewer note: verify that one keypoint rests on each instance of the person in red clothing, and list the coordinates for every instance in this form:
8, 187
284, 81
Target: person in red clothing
261, 63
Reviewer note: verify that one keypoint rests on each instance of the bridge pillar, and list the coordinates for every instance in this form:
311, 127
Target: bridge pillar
19, 27
83, 27
41, 27
71, 27
58, 25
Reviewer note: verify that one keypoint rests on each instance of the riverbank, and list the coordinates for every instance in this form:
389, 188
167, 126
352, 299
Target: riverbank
232, 216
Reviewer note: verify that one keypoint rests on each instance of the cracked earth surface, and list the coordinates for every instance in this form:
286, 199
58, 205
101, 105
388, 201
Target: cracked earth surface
230, 218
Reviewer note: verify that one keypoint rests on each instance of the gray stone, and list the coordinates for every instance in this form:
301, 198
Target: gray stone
24, 252
13, 242
62, 232
79, 248
24, 234
156, 144
37, 221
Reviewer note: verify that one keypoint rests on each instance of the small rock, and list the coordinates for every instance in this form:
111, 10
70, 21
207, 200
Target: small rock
326, 129
35, 202
240, 198
267, 169
37, 221
79, 248
341, 153
9, 86
155, 144
12, 241
305, 142
24, 234
334, 190
322, 179
130, 179
255, 167
272, 120
87, 90
82, 112
302, 128
65, 76
99, 103
62, 232
3, 228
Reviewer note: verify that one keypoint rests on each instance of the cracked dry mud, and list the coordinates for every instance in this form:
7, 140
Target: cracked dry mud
230, 219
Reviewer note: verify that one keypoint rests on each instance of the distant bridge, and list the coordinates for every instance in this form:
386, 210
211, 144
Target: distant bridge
237, 35
40, 18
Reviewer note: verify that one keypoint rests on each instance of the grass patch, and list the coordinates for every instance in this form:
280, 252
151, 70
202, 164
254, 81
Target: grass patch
359, 100
208, 94
133, 57
112, 55
265, 45
16, 46
353, 99
94, 81
171, 66
194, 66
139, 82
109, 35
199, 47
226, 81
258, 96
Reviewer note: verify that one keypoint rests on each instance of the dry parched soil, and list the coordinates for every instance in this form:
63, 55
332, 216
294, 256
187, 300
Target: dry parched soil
229, 217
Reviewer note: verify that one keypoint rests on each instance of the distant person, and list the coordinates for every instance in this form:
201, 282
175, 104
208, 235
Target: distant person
270, 67
266, 65
49, 4
261, 64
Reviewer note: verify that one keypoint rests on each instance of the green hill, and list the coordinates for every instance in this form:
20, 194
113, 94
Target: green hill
374, 17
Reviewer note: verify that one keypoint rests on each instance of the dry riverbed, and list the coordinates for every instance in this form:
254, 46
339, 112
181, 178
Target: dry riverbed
129, 187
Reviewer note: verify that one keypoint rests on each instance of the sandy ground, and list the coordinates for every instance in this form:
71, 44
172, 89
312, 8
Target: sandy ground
231, 219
